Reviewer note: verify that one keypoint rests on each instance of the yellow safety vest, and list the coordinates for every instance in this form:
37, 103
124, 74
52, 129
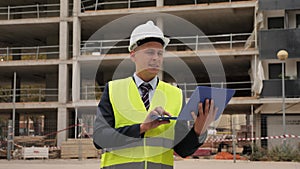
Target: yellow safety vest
129, 109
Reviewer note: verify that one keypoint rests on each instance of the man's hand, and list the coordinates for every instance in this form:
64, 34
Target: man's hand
205, 117
151, 123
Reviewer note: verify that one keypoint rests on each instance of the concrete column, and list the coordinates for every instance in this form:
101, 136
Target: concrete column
63, 40
76, 36
159, 3
63, 83
76, 82
64, 30
62, 113
64, 8
76, 52
76, 7
62, 123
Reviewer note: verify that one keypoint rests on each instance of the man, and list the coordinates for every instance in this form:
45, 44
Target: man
126, 125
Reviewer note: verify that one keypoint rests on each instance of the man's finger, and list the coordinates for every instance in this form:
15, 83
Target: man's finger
207, 106
167, 113
159, 110
162, 112
212, 104
154, 112
200, 108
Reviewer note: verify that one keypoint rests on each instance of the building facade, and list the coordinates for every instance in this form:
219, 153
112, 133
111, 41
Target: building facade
58, 55
279, 29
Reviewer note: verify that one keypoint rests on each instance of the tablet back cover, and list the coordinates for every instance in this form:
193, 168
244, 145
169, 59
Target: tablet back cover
221, 97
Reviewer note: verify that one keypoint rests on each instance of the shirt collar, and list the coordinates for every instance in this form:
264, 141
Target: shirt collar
139, 81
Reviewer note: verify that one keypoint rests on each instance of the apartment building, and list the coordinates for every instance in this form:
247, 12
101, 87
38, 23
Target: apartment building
279, 29
58, 55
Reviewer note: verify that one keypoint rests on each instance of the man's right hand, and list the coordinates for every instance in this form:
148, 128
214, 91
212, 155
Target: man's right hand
150, 123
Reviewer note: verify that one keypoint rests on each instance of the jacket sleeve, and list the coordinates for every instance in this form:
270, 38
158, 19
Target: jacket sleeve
186, 140
105, 134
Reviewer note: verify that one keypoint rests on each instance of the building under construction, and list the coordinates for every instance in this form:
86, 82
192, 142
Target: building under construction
57, 55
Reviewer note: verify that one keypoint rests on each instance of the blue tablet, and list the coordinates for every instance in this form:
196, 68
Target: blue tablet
221, 97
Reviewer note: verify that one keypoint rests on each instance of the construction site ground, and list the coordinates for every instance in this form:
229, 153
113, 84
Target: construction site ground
179, 164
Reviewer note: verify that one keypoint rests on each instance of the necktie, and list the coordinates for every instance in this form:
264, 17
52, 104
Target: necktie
145, 87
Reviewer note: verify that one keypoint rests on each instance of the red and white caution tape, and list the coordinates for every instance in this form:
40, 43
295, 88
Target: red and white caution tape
224, 139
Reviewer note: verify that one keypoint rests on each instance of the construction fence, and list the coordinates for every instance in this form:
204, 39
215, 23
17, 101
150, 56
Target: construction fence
231, 134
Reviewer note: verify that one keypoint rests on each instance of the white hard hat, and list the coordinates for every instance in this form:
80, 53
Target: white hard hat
146, 31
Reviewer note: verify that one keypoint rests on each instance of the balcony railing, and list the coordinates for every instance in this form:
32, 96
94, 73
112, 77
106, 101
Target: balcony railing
242, 89
95, 92
30, 95
224, 41
88, 5
195, 2
271, 41
273, 88
29, 11
279, 4
30, 53
94, 5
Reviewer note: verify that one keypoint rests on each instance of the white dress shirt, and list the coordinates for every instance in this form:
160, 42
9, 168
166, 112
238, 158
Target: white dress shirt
153, 83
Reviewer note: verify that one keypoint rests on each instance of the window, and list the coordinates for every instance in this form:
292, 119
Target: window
298, 20
275, 71
276, 23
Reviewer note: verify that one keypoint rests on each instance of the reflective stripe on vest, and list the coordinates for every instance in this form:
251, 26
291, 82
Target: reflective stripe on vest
139, 165
129, 109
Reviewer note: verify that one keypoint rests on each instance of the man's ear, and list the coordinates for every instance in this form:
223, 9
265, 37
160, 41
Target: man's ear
132, 56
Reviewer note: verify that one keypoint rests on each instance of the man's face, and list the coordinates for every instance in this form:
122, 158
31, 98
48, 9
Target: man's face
148, 59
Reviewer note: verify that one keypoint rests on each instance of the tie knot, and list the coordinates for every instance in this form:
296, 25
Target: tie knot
145, 87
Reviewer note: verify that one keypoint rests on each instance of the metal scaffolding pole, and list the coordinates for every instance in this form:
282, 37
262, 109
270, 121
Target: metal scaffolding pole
14, 109
9, 140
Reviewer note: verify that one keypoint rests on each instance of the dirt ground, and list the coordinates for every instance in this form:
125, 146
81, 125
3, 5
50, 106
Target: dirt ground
179, 164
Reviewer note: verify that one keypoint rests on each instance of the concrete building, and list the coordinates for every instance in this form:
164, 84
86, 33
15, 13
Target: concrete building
64, 51
279, 29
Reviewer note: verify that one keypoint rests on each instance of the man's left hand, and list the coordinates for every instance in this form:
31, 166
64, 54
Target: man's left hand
205, 117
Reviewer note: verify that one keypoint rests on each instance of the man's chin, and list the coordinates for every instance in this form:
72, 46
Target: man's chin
153, 70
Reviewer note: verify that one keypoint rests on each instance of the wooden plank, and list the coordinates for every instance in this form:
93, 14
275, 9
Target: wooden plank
75, 148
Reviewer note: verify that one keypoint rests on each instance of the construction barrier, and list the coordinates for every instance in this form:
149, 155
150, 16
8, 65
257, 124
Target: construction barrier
223, 139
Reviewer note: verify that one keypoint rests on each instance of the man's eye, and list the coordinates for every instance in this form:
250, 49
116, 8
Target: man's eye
160, 53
